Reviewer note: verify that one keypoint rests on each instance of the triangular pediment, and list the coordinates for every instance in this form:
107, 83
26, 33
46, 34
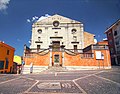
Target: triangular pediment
56, 17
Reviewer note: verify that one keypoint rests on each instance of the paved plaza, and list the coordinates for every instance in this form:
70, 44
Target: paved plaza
70, 82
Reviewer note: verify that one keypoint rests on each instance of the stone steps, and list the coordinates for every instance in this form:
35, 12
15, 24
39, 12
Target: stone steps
36, 69
56, 69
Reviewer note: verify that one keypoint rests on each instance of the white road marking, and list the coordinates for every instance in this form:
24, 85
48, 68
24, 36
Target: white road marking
83, 91
46, 80
112, 72
9, 80
107, 80
31, 87
50, 93
87, 76
29, 78
66, 85
54, 80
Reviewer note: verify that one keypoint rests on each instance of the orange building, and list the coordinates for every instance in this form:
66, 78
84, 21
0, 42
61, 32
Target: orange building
104, 42
6, 58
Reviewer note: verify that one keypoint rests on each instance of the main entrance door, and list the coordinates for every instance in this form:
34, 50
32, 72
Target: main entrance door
56, 53
56, 60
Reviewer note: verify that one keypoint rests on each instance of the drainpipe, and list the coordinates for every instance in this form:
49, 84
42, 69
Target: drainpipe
50, 64
63, 51
62, 58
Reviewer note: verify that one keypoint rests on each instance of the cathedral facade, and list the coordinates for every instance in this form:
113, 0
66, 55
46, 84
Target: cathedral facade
60, 41
59, 30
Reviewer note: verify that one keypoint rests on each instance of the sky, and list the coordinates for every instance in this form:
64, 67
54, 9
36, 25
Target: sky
17, 17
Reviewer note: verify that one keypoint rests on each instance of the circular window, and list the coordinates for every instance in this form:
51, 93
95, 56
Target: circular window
73, 31
39, 31
56, 23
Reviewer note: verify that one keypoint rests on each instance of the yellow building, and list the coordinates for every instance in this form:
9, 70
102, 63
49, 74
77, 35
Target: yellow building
17, 59
6, 58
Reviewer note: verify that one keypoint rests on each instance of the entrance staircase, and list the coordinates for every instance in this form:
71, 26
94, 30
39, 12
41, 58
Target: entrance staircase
56, 69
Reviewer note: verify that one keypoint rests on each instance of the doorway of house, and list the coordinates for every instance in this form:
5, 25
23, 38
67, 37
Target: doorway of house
56, 60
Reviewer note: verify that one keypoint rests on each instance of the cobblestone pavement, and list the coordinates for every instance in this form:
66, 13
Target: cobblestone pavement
71, 82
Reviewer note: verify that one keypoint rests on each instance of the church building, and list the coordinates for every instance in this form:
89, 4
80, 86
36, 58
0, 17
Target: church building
58, 41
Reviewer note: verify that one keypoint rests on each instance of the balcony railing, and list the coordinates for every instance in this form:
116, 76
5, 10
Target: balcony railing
100, 47
87, 55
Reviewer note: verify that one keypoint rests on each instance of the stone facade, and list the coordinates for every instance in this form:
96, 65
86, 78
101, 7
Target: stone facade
62, 30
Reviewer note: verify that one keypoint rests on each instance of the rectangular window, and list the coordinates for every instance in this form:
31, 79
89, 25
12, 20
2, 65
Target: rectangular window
8, 52
110, 42
38, 46
39, 38
1, 65
115, 33
117, 42
111, 50
118, 50
75, 38
75, 48
109, 33
56, 45
7, 63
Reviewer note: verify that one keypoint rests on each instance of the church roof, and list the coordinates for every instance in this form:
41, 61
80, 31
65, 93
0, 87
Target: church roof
62, 19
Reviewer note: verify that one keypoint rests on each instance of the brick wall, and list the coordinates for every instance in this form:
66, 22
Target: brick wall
38, 60
86, 59
79, 60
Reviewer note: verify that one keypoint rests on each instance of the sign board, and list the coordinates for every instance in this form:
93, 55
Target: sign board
99, 55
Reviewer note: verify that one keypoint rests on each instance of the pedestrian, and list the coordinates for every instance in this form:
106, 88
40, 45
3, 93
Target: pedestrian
22, 67
31, 67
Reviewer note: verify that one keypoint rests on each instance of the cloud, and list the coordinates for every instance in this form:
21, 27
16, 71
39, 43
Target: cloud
3, 4
98, 36
36, 19
18, 40
105, 39
43, 17
28, 20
